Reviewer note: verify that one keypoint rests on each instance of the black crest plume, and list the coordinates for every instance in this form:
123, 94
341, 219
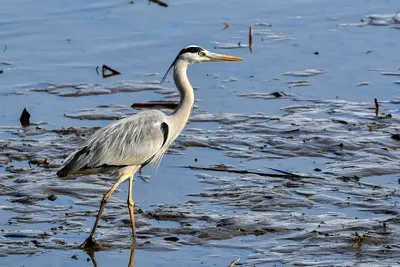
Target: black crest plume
189, 49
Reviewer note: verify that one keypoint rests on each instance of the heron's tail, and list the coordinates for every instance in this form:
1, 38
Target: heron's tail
63, 172
69, 165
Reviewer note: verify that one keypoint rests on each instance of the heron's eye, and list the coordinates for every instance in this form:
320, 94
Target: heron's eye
201, 53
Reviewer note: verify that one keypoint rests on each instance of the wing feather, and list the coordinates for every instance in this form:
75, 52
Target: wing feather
130, 141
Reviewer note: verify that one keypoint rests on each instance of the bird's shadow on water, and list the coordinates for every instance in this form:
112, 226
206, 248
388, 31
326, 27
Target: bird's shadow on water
91, 253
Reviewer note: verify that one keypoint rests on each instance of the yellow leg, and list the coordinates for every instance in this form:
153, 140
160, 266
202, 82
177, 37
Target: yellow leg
131, 257
131, 207
92, 257
89, 242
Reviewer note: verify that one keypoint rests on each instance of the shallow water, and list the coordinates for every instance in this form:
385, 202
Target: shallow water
284, 107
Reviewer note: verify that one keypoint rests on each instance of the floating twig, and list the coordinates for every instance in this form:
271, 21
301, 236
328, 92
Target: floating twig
5, 48
284, 172
251, 39
156, 104
376, 107
363, 84
107, 68
160, 3
234, 262
226, 25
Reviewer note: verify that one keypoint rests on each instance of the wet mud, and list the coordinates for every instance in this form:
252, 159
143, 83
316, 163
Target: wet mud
280, 217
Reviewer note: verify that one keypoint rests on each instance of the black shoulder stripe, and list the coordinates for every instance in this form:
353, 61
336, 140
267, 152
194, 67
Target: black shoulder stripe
165, 130
147, 162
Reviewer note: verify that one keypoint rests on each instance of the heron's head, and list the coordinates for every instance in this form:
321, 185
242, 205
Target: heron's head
193, 54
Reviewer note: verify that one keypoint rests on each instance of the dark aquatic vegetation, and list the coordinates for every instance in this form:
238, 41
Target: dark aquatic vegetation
396, 137
171, 238
363, 84
272, 95
156, 104
158, 2
52, 197
107, 72
376, 107
251, 38
24, 119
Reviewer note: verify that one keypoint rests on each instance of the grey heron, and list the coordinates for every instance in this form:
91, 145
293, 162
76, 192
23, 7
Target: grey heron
127, 145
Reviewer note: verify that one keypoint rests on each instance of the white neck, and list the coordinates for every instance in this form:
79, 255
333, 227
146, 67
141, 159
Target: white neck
181, 114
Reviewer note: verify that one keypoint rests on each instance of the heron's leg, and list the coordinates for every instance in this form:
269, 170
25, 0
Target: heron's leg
132, 257
131, 207
89, 242
92, 257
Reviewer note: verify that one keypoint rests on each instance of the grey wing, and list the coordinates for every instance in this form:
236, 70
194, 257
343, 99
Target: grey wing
131, 141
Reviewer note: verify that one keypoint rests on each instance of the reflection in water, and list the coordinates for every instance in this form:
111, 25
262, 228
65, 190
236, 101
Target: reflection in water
93, 258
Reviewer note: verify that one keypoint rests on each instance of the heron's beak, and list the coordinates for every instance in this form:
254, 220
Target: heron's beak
220, 57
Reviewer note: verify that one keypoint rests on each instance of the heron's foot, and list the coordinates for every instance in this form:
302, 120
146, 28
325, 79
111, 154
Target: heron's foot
89, 243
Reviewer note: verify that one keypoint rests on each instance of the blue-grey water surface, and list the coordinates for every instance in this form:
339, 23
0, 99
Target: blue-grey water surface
56, 43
